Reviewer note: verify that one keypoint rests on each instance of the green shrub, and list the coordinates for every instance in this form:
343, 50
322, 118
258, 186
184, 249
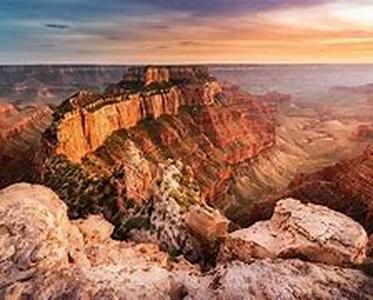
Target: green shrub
366, 266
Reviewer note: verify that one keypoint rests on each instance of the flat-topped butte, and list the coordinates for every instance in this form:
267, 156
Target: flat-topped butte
140, 79
82, 122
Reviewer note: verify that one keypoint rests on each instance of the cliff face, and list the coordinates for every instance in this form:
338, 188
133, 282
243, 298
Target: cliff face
86, 126
346, 187
187, 119
20, 132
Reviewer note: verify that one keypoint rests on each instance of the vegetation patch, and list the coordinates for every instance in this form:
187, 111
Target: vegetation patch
84, 194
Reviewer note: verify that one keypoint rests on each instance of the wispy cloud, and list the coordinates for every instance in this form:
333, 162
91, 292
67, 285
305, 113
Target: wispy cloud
193, 30
56, 26
190, 44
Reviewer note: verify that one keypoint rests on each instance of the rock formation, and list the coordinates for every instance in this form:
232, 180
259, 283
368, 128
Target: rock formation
44, 255
346, 187
121, 136
288, 279
312, 232
20, 133
177, 218
363, 132
83, 122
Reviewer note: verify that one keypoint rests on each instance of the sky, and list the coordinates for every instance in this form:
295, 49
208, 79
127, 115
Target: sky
186, 31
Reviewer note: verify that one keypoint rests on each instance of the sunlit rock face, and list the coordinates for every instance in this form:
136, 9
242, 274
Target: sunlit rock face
83, 122
310, 231
121, 136
44, 255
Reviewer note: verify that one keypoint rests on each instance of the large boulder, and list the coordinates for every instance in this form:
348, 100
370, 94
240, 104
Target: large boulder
306, 231
43, 255
206, 223
35, 232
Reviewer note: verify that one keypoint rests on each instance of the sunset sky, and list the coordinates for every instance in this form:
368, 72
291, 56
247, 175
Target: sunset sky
186, 31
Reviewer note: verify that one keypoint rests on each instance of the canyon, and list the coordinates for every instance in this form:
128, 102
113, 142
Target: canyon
309, 138
198, 187
49, 84
20, 136
346, 186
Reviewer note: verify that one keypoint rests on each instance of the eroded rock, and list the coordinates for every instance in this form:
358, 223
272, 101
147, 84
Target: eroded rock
309, 231
20, 135
38, 243
40, 246
289, 279
180, 221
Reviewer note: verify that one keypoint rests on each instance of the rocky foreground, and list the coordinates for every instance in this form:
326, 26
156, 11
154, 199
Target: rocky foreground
45, 256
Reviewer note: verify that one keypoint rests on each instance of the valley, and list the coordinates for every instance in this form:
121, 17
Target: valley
172, 175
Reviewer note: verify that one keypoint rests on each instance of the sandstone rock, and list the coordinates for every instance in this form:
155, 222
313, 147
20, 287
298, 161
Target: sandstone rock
84, 121
101, 249
39, 247
37, 240
208, 225
94, 229
288, 279
35, 231
308, 231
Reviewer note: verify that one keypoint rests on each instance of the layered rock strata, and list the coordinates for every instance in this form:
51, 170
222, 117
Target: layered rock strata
20, 133
84, 121
346, 187
134, 126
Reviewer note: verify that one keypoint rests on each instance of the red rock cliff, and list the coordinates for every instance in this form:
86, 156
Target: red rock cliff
20, 132
134, 127
91, 118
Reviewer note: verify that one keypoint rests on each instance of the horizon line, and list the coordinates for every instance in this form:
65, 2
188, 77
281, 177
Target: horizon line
36, 64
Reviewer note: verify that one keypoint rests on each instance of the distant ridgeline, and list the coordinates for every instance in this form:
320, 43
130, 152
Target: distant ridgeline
48, 84
85, 120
